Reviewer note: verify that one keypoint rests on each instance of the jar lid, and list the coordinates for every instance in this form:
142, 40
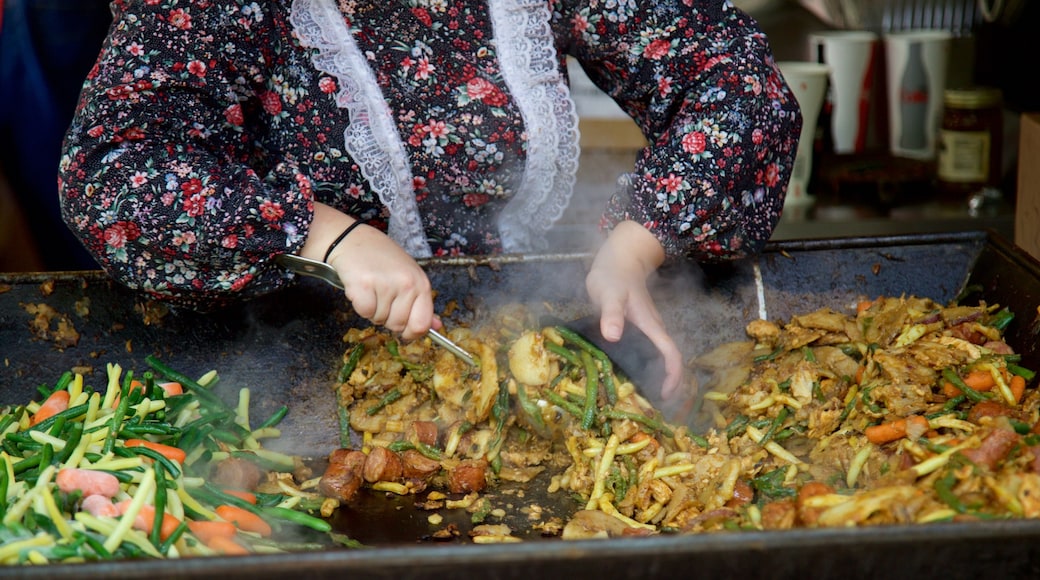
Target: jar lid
972, 98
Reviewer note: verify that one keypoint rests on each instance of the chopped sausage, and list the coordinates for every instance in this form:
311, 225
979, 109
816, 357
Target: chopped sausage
383, 465
742, 494
236, 473
418, 466
468, 476
987, 409
100, 506
88, 481
993, 448
425, 432
343, 476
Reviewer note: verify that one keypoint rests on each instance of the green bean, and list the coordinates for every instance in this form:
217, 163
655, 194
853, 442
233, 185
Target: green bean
699, 440
597, 353
55, 430
10, 447
1002, 319
159, 504
653, 424
737, 426
609, 387
530, 408
14, 414
205, 395
67, 414
27, 463
170, 466
46, 455
298, 517
944, 489
114, 424
563, 352
951, 376
563, 403
768, 357
352, 361
136, 431
780, 418
215, 496
344, 421
96, 545
591, 391
427, 450
276, 418
182, 527
4, 484
124, 476
1014, 369
391, 396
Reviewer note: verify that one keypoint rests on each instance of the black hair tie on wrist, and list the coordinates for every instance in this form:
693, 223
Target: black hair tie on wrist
339, 239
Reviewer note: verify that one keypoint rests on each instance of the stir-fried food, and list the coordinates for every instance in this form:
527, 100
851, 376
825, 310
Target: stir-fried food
146, 466
902, 411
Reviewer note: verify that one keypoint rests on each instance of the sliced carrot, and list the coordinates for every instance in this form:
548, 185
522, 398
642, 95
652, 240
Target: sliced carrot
227, 546
242, 495
168, 451
146, 518
244, 519
206, 530
980, 380
170, 388
1018, 386
950, 390
57, 402
892, 430
859, 374
863, 306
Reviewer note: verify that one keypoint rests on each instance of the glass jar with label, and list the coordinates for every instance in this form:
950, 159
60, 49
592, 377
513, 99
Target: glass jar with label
969, 148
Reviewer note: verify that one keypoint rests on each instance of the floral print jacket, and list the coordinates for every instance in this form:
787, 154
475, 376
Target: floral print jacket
207, 130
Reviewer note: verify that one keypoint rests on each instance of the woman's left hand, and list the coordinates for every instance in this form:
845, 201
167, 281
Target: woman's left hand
616, 282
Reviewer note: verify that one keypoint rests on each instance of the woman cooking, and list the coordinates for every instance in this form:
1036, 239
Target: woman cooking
213, 136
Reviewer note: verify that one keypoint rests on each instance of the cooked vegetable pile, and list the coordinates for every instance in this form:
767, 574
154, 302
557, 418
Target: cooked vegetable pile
901, 410
150, 467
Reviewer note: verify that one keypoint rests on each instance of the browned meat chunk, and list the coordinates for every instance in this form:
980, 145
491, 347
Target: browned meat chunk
425, 432
383, 465
236, 473
343, 477
418, 466
468, 476
994, 448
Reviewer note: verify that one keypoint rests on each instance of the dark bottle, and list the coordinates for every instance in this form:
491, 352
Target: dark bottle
913, 102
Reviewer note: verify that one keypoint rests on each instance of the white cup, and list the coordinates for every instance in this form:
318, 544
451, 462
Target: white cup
916, 63
850, 54
808, 82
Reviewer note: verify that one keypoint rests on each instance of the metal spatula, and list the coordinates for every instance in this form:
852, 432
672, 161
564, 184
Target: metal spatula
323, 271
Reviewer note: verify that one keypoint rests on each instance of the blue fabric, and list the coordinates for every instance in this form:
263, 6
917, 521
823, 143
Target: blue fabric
47, 47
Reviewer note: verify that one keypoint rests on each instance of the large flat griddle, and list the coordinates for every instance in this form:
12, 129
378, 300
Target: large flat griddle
287, 348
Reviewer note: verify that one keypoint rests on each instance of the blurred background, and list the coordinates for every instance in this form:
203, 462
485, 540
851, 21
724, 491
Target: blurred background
47, 47
995, 43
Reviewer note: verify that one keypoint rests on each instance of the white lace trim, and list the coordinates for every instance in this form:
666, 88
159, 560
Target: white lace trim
371, 137
531, 69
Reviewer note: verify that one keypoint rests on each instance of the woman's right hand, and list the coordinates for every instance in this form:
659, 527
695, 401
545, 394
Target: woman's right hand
383, 283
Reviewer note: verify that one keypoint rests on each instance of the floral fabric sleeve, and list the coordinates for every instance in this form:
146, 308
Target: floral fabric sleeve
699, 78
160, 176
